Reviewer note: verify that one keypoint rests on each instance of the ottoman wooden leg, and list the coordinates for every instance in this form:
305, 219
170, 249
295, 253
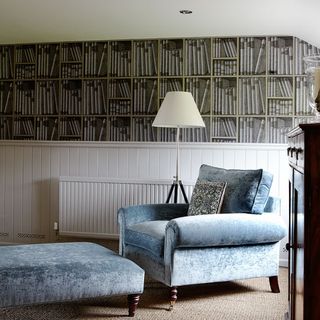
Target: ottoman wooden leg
133, 300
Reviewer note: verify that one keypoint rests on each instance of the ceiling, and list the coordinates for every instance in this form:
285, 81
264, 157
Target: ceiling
26, 21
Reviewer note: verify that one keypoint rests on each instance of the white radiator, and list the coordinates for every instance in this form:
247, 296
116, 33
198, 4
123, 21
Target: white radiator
88, 206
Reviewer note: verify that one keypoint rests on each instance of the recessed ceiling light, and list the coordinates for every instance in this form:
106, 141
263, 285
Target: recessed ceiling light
185, 11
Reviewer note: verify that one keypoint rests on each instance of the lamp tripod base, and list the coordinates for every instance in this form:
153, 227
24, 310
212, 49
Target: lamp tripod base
176, 184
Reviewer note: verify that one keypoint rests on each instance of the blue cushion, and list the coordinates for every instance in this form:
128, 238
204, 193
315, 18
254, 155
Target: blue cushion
148, 235
247, 191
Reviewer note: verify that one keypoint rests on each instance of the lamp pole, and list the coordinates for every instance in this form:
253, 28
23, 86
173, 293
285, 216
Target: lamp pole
177, 182
178, 154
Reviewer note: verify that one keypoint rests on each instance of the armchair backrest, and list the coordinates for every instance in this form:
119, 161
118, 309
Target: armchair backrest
247, 191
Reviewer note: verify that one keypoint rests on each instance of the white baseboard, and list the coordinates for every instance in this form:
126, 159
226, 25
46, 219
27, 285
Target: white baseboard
8, 243
283, 263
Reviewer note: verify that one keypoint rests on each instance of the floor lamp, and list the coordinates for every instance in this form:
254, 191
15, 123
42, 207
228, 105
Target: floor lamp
178, 110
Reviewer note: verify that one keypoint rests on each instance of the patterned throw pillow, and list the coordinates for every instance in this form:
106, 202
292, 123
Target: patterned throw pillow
207, 197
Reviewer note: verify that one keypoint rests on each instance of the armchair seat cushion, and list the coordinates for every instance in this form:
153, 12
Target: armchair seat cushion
221, 230
148, 235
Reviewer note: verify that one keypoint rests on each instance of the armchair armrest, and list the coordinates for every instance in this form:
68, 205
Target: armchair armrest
139, 213
230, 229
273, 205
226, 230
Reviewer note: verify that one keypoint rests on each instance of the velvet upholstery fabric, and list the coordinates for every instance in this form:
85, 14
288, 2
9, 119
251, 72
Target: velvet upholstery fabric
223, 230
206, 265
201, 249
148, 235
226, 230
153, 266
272, 206
64, 271
132, 215
247, 191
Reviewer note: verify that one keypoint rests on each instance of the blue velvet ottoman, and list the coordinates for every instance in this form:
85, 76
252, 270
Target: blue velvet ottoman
57, 272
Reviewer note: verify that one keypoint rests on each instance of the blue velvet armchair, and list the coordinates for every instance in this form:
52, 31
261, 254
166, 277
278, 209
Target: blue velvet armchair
178, 249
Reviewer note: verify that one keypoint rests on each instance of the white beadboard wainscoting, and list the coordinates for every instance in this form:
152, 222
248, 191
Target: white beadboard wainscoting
30, 172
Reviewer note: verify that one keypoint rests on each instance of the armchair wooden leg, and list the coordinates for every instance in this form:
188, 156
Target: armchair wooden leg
274, 284
173, 297
133, 300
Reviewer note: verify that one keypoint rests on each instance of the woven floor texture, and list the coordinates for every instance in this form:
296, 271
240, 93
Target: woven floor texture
239, 300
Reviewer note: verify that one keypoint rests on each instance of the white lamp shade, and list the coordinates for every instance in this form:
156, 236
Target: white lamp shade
178, 110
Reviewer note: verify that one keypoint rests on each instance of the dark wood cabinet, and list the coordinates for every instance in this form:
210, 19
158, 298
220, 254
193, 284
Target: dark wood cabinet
304, 222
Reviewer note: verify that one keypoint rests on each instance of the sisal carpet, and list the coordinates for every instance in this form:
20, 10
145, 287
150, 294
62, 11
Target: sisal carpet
238, 300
